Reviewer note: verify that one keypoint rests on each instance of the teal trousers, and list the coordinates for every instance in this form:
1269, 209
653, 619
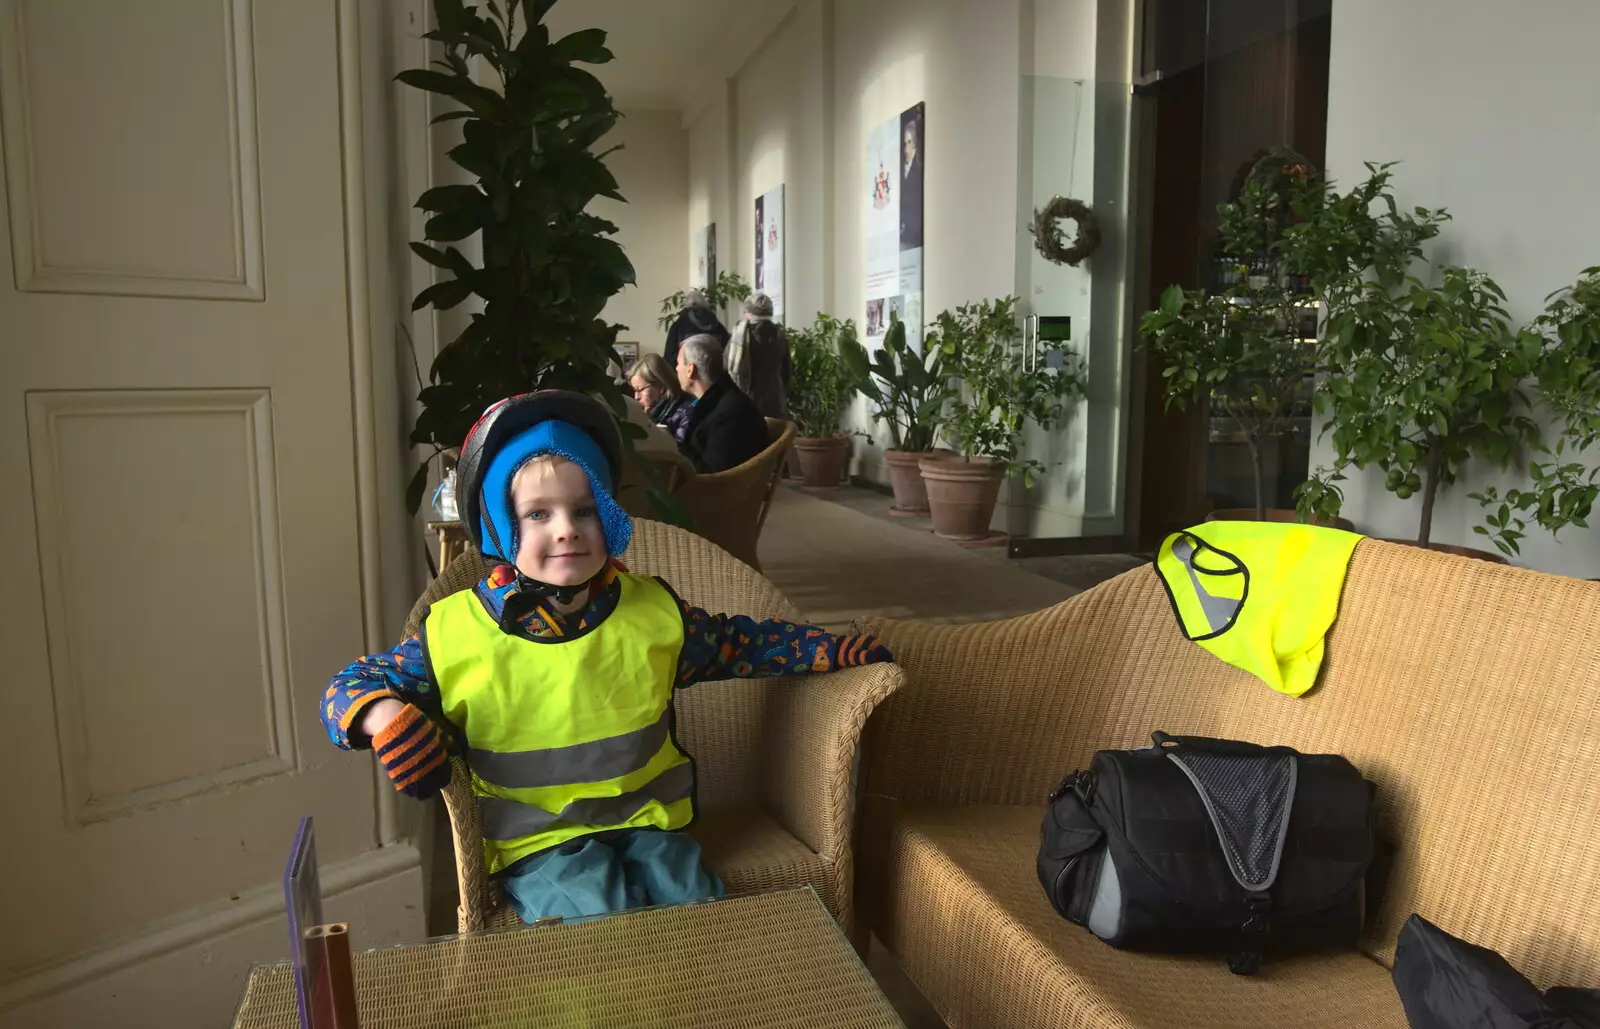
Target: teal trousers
593, 876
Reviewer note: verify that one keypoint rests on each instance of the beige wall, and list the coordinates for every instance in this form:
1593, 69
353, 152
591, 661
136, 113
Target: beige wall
780, 139
1490, 108
709, 189
652, 169
797, 112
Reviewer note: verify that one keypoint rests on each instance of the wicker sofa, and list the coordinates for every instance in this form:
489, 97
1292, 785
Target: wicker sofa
1468, 692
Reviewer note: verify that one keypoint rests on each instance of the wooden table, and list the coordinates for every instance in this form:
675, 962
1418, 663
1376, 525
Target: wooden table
770, 961
452, 541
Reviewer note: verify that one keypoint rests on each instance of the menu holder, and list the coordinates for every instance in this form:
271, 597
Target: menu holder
302, 895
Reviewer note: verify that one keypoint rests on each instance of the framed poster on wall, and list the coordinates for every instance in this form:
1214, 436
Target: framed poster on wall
770, 236
705, 256
895, 159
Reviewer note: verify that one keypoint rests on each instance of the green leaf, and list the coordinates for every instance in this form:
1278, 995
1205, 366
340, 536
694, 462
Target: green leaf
587, 46
442, 295
454, 225
431, 255
450, 198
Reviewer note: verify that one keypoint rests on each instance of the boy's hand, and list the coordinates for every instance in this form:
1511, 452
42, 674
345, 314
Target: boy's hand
861, 650
413, 753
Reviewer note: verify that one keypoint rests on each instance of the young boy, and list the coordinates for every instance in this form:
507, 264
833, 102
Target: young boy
554, 675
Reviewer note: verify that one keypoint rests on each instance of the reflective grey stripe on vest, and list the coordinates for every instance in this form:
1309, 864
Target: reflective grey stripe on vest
509, 820
1219, 611
595, 761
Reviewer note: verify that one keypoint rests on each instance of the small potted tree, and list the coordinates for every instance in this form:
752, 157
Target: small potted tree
1421, 380
819, 389
1565, 484
530, 118
908, 390
996, 395
1251, 348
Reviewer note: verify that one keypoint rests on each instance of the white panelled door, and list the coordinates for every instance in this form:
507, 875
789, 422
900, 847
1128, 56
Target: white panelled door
178, 502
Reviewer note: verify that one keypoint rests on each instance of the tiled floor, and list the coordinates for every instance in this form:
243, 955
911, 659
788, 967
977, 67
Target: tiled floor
837, 562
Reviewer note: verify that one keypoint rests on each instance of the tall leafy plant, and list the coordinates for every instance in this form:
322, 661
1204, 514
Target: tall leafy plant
820, 384
908, 389
730, 288
1293, 245
528, 133
1425, 378
1565, 485
998, 392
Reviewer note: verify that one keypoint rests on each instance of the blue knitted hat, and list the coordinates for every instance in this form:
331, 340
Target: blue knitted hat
563, 440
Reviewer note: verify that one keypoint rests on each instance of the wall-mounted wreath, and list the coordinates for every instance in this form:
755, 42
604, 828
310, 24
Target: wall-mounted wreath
1047, 231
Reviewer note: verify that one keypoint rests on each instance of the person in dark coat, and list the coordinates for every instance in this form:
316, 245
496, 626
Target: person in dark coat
697, 318
758, 359
725, 429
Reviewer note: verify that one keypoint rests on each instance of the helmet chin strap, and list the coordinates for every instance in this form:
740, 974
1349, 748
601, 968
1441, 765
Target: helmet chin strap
531, 591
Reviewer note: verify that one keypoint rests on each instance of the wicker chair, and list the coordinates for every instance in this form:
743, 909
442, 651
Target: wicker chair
730, 507
674, 470
774, 760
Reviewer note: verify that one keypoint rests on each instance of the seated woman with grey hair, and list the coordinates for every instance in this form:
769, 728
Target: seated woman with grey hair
655, 386
725, 429
758, 358
695, 319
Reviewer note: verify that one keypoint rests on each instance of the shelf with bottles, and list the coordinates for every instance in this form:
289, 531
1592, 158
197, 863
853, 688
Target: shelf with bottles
1228, 271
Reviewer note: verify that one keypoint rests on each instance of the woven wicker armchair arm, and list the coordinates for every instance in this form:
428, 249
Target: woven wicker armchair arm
814, 727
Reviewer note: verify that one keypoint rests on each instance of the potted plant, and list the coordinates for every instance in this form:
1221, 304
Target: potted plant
1421, 380
996, 395
1564, 487
548, 266
1251, 348
909, 390
819, 389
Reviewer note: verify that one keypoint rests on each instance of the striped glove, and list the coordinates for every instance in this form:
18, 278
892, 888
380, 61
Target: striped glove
413, 753
860, 650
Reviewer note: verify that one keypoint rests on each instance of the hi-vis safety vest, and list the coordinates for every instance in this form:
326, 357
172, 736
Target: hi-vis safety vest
566, 736
1259, 595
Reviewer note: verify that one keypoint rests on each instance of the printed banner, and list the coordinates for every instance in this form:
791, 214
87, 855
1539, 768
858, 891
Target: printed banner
769, 249
894, 225
705, 256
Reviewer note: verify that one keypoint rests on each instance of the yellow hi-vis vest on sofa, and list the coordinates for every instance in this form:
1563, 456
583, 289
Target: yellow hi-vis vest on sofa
1259, 595
566, 735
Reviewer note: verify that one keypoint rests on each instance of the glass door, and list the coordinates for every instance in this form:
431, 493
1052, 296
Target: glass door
1076, 143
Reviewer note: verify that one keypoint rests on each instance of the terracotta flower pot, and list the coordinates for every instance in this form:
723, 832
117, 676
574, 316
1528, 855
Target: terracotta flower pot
905, 475
822, 460
791, 466
1451, 548
962, 494
1274, 514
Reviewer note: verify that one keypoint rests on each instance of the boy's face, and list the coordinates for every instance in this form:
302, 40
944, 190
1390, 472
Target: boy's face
560, 540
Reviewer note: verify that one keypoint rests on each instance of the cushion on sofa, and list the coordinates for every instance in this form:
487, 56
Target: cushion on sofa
970, 924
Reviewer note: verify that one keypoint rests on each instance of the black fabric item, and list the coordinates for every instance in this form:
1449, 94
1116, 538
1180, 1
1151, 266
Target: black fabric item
770, 367
1447, 983
673, 414
725, 430
694, 321
1133, 849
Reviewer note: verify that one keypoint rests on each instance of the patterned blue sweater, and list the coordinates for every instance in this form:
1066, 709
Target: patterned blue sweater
714, 647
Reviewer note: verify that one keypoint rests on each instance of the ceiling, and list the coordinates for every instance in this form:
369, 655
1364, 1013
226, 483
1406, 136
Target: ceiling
667, 50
